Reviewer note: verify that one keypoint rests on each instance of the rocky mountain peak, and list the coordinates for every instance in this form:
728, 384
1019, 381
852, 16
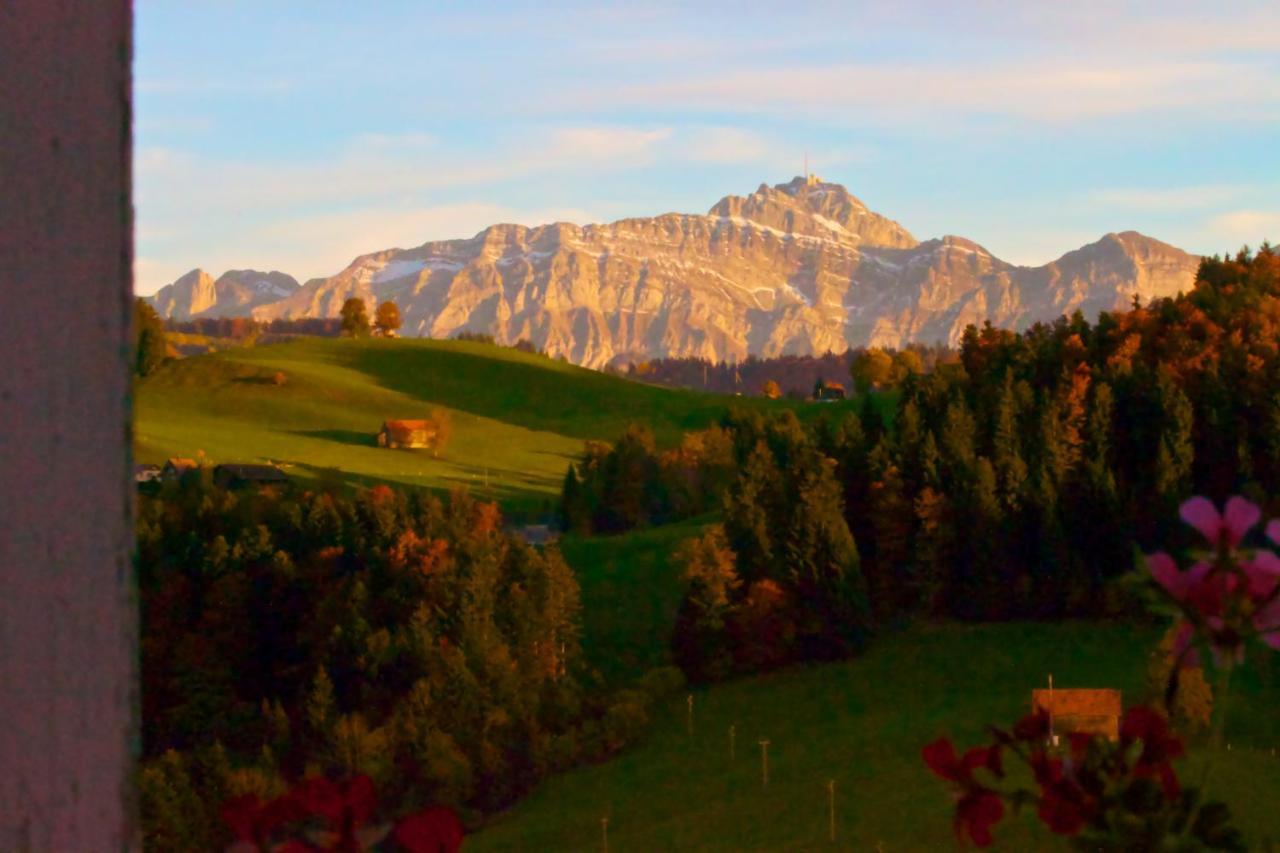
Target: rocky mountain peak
816, 208
794, 268
234, 294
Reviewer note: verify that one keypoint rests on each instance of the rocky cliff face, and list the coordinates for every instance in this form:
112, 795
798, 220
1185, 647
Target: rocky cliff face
802, 267
234, 294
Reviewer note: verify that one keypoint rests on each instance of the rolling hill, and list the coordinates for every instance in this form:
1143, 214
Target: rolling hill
518, 418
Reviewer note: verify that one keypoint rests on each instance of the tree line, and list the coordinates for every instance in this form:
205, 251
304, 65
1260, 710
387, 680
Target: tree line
394, 635
1012, 481
792, 376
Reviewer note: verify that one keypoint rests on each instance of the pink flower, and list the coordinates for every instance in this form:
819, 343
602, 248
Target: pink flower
1273, 530
1227, 528
1175, 581
1267, 622
1263, 571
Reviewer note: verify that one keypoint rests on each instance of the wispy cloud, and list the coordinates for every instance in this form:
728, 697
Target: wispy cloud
1249, 226
1173, 199
924, 94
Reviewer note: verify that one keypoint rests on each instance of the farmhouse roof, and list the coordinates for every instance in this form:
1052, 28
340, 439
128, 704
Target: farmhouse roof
1078, 702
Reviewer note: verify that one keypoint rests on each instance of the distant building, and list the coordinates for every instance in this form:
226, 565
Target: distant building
828, 391
176, 467
1088, 711
241, 476
410, 434
536, 534
146, 473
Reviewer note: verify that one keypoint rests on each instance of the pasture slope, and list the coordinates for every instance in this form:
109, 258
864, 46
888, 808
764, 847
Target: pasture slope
862, 723
518, 418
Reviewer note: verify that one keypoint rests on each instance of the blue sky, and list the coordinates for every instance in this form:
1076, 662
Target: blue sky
297, 135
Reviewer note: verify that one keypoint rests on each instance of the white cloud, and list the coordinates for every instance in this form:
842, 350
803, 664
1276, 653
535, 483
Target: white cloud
1035, 90
1174, 199
616, 145
1247, 226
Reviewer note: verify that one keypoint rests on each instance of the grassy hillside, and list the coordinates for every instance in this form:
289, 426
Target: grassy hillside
517, 418
630, 593
861, 723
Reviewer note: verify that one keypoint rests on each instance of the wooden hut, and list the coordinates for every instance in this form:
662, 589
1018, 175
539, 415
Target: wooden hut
1081, 710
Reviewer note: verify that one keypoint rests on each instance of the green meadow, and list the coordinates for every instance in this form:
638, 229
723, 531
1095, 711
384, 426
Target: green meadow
518, 419
862, 724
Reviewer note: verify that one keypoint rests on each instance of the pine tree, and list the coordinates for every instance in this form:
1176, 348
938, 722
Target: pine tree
1011, 470
1176, 453
824, 568
748, 509
959, 435
573, 518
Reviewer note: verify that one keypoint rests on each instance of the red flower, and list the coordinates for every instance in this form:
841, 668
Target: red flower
976, 813
1034, 727
244, 816
942, 760
347, 803
979, 808
1064, 807
436, 830
319, 796
1159, 746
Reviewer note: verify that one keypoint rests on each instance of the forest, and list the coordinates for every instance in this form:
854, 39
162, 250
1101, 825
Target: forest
309, 633
1013, 481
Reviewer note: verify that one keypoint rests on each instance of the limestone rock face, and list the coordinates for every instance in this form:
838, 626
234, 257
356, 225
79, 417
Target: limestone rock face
798, 268
234, 294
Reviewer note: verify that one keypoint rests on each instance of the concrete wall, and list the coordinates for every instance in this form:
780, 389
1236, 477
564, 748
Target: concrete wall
67, 612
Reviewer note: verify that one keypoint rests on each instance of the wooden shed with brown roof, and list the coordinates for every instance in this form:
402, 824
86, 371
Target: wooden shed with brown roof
407, 433
1093, 711
176, 467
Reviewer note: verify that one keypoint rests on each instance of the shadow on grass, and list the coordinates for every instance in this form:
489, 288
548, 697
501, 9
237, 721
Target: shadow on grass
342, 436
523, 498
579, 404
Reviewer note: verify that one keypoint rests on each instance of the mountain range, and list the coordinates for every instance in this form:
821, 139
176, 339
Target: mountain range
797, 268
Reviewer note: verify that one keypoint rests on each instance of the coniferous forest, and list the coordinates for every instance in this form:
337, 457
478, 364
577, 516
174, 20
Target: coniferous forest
293, 632
1011, 481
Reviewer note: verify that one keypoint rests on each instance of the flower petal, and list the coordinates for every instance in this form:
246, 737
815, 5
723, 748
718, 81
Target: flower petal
977, 813
1200, 513
1182, 646
1273, 530
436, 830
1166, 573
1240, 517
942, 759
1267, 622
1263, 571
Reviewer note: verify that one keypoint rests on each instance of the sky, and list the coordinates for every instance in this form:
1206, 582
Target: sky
295, 136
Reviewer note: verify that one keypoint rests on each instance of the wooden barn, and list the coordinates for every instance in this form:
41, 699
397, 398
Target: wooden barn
176, 467
828, 391
1081, 710
407, 434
